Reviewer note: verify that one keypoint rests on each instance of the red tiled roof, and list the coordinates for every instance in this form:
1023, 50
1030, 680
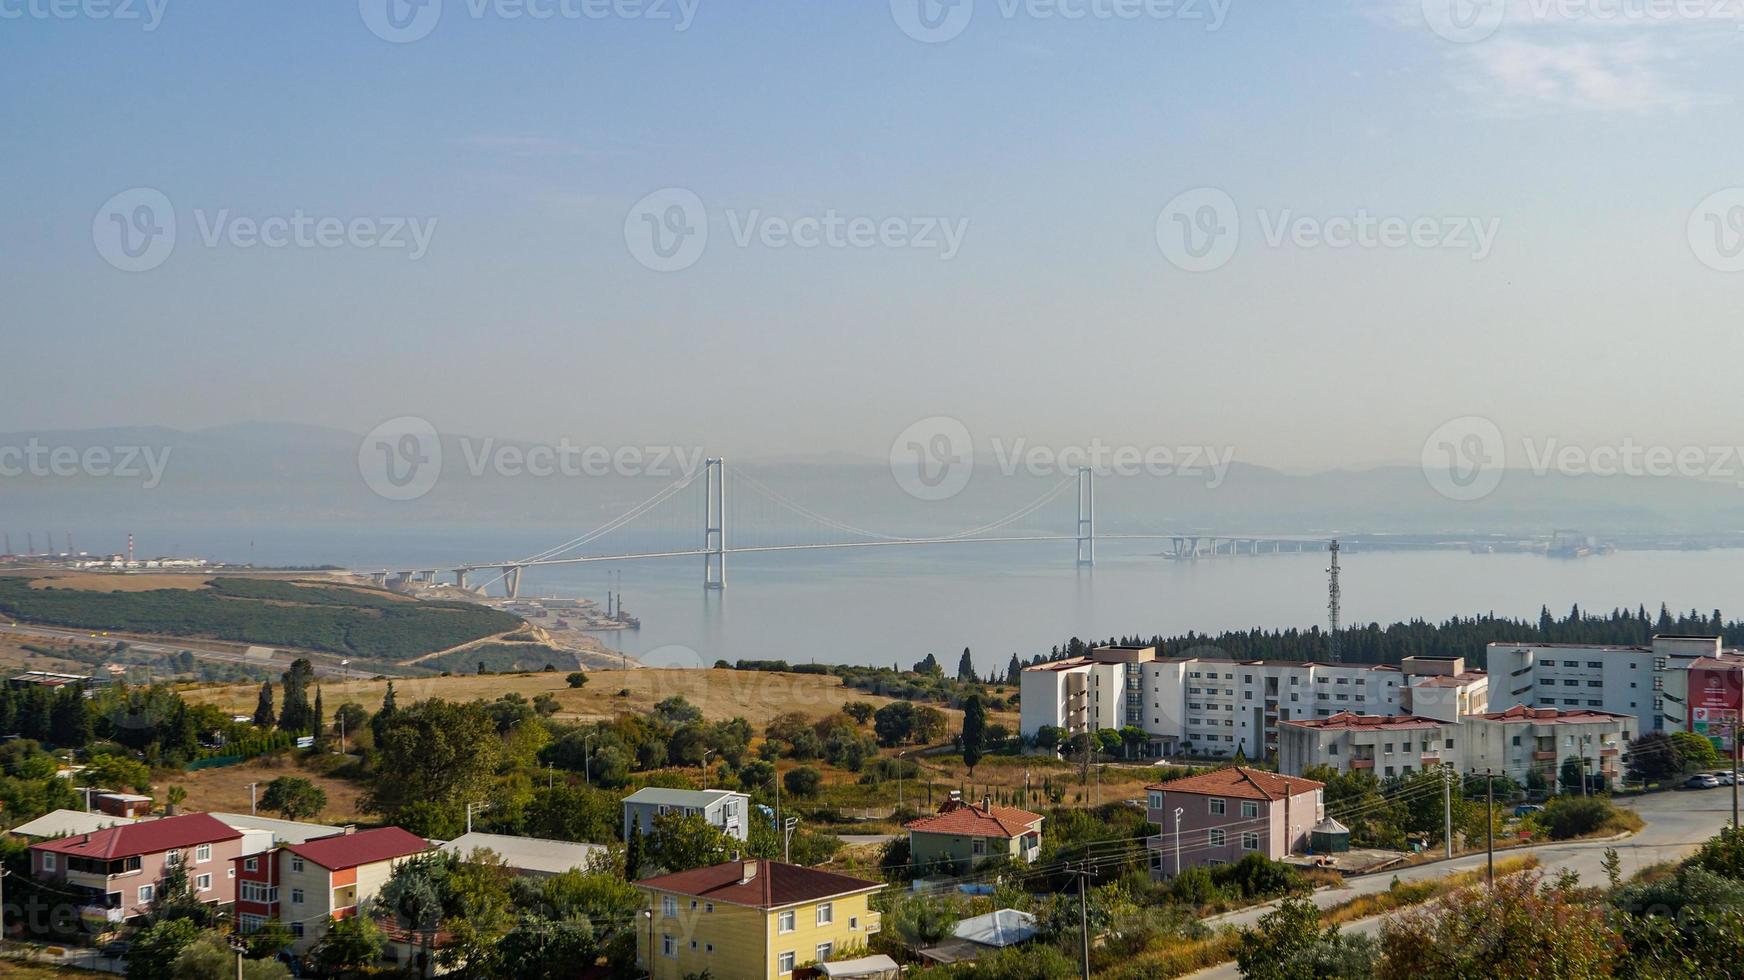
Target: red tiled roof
1521, 712
1351, 720
1240, 782
774, 884
969, 820
363, 847
144, 837
1066, 664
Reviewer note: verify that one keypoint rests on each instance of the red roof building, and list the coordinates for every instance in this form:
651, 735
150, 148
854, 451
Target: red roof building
304, 884
115, 873
1221, 817
964, 834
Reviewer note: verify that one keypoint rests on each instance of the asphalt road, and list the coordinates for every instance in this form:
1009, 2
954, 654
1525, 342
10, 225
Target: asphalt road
149, 646
1677, 823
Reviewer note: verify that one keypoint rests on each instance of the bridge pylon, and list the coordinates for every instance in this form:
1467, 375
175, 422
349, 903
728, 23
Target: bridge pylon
1086, 516
714, 533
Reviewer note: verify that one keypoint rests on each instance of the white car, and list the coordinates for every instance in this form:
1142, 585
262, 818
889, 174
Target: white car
1702, 780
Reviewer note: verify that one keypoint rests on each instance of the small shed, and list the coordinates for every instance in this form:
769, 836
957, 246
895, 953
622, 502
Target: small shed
865, 968
1329, 837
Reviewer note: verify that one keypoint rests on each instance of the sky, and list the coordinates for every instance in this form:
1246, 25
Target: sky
1012, 217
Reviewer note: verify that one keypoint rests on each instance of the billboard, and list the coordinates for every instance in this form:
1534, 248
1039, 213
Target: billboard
1715, 699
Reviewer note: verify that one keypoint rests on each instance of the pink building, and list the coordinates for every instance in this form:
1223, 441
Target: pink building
1221, 817
116, 871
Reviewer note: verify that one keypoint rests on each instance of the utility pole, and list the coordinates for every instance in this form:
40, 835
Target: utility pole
1447, 807
787, 839
1084, 917
251, 787
1178, 812
1490, 828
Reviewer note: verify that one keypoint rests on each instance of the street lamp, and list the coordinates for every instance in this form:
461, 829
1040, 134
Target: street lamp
705, 756
587, 760
648, 913
1178, 812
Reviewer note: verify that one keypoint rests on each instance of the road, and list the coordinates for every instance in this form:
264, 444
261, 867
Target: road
1677, 823
204, 653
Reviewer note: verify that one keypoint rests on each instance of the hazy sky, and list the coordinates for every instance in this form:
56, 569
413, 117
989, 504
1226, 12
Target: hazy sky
1580, 138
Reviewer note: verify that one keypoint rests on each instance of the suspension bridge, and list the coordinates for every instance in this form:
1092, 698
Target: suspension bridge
698, 504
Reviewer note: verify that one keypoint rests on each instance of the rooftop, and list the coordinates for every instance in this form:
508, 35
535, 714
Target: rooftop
526, 853
759, 884
283, 831
976, 820
1350, 721
1240, 782
363, 847
1449, 680
144, 837
1522, 713
658, 795
60, 823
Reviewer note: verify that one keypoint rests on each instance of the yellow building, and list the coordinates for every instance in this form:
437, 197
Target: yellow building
753, 918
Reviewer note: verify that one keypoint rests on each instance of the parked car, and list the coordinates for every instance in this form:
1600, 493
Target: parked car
1527, 809
1702, 780
1725, 778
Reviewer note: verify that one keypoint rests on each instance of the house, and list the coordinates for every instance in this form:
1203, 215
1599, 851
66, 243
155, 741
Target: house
720, 807
966, 834
1220, 817
277, 831
752, 919
303, 885
129, 805
66, 823
114, 873
529, 856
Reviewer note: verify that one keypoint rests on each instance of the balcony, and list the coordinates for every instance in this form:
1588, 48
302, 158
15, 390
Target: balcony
1608, 751
88, 879
100, 916
1362, 763
1544, 756
874, 923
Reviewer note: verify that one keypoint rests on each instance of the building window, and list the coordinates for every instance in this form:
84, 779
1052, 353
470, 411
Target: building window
824, 950
203, 883
784, 963
296, 896
251, 864
784, 922
48, 861
826, 914
297, 929
146, 892
1250, 841
172, 858
1216, 806
251, 923
668, 906
854, 921
203, 853
710, 907
296, 864
1250, 808
1215, 837
668, 945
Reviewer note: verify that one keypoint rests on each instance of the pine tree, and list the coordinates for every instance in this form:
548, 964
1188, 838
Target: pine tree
966, 667
974, 731
633, 850
1014, 671
294, 712
70, 718
379, 723
320, 723
263, 709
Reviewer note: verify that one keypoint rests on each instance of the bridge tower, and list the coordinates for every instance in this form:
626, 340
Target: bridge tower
714, 533
1086, 516
512, 581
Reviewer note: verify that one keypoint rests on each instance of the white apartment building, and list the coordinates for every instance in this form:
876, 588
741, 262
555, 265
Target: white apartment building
1648, 683
1209, 707
1514, 742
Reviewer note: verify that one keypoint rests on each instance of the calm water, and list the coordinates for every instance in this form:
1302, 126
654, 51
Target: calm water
894, 605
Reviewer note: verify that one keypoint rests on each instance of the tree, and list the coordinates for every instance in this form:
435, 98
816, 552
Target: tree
209, 957
974, 731
921, 920
388, 710
351, 717
546, 949
1014, 671
294, 798
351, 943
436, 752
1573, 774
70, 720
263, 707
318, 722
267, 939
1288, 944
755, 775
577, 679
929, 723
681, 842
635, 850
860, 711
1613, 865
154, 950
1049, 736
928, 666
802, 781
1698, 752
1523, 929
966, 667
174, 897
894, 723
1653, 757
1576, 816
573, 813
176, 796
295, 713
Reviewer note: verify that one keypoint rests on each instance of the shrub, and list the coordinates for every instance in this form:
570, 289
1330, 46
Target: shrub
1576, 816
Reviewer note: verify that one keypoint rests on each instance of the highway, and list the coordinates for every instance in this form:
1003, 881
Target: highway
1677, 823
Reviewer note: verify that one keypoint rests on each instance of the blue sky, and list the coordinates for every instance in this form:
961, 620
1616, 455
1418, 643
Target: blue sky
1585, 137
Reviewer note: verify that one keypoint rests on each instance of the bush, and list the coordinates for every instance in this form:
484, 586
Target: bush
577, 679
803, 781
1576, 816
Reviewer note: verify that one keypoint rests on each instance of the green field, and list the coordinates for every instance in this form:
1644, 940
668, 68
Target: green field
343, 620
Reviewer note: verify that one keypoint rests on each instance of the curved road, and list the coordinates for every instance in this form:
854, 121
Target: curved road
1677, 823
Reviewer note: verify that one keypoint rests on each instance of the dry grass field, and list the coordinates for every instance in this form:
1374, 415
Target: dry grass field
226, 789
113, 582
721, 694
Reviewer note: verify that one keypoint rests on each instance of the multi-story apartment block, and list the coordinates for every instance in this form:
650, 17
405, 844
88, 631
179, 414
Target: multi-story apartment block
306, 885
1221, 817
1523, 740
1383, 745
114, 873
1649, 683
1209, 707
